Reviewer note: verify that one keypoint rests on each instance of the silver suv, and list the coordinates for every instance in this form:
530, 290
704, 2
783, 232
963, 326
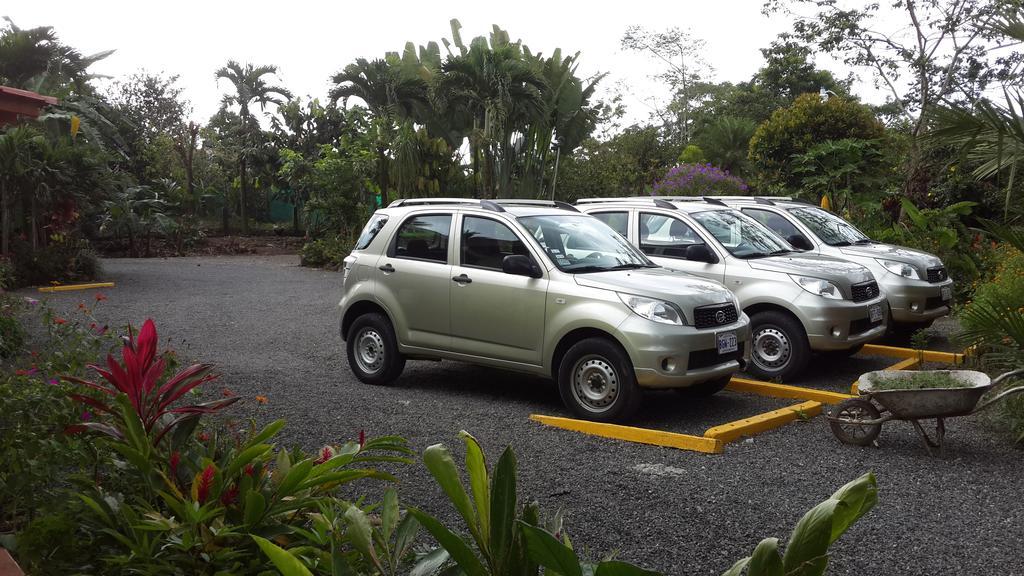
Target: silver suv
535, 287
916, 283
797, 303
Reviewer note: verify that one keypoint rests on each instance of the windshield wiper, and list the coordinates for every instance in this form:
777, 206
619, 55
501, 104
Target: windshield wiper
592, 268
842, 243
765, 254
865, 241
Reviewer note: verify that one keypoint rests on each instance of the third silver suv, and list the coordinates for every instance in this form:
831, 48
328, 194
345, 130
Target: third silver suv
534, 287
796, 302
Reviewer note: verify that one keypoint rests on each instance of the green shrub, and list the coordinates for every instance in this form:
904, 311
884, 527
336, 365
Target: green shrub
12, 333
64, 259
326, 252
692, 154
6, 274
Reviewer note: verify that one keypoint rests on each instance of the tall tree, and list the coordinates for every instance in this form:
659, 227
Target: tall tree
250, 87
35, 59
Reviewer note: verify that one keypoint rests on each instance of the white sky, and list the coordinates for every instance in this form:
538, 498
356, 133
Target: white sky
309, 41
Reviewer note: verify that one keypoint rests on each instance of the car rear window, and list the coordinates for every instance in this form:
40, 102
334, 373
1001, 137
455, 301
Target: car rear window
370, 231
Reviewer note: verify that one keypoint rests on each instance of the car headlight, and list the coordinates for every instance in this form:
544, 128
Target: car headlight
654, 310
818, 287
899, 269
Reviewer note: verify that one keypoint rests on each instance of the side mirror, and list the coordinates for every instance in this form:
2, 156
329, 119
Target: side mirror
800, 242
701, 253
520, 265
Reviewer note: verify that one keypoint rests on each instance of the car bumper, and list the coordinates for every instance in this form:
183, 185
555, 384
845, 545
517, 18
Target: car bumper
666, 356
839, 324
917, 302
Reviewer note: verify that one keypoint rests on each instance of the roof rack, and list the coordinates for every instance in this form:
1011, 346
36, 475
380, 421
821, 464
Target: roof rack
714, 201
659, 202
493, 205
527, 202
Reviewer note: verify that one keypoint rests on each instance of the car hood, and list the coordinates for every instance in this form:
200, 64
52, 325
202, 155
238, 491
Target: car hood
683, 289
921, 260
840, 272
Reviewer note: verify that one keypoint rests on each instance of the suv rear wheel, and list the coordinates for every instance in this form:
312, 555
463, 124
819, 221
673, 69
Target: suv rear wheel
780, 347
597, 382
373, 350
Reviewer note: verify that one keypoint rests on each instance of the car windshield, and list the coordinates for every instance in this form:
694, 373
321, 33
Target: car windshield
743, 237
582, 244
831, 229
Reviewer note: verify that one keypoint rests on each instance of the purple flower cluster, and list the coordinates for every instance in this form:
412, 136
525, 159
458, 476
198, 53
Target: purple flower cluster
698, 180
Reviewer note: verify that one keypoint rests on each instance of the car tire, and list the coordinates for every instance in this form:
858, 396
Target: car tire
597, 382
779, 347
372, 349
704, 389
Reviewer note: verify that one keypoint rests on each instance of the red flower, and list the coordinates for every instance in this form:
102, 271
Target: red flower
227, 393
362, 439
202, 483
100, 297
204, 437
28, 372
326, 453
250, 470
174, 461
228, 496
59, 321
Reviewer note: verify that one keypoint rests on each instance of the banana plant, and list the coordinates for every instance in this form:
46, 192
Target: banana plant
807, 551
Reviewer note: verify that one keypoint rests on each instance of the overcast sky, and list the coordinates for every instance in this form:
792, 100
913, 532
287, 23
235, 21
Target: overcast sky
309, 41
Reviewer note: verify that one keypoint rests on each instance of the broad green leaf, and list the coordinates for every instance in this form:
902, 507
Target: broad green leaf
808, 545
360, 534
617, 568
766, 560
460, 552
97, 508
389, 513
287, 564
476, 467
503, 506
405, 535
430, 563
296, 475
442, 467
268, 432
858, 497
244, 457
737, 568
547, 551
255, 506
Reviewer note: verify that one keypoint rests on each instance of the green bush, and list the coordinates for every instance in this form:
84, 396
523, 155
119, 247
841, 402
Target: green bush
326, 252
12, 334
6, 274
64, 259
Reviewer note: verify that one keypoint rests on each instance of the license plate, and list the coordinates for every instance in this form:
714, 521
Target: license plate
727, 342
946, 292
875, 313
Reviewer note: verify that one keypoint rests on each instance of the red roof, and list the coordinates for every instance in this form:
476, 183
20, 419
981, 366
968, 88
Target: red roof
15, 102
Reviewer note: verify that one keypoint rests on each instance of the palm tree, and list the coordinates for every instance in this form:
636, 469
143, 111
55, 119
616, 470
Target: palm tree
394, 96
16, 160
727, 142
250, 87
35, 59
501, 92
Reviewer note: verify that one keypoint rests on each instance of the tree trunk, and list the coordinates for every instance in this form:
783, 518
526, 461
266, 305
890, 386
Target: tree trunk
243, 204
382, 175
5, 219
295, 215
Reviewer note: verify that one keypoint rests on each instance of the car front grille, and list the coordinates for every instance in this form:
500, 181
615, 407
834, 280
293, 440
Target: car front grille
863, 325
937, 274
716, 315
865, 291
710, 357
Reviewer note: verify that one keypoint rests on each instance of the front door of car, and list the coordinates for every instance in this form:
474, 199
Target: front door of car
495, 314
783, 227
673, 243
414, 280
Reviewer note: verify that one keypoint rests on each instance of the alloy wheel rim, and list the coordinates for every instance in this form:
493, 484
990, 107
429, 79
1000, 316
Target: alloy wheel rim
772, 349
369, 351
595, 384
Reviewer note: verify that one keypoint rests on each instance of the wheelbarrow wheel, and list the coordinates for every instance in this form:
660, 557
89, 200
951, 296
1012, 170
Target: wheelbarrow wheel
855, 409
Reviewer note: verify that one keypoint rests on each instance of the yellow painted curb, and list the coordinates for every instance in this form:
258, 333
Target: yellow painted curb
70, 287
785, 391
763, 422
928, 355
631, 434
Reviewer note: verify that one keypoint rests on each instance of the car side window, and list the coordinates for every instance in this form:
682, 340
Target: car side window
486, 242
773, 222
423, 237
618, 221
666, 236
370, 231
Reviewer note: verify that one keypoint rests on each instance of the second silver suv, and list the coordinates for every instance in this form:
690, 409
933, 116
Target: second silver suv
797, 303
535, 287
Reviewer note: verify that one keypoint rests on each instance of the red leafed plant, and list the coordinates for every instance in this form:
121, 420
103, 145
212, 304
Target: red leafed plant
139, 376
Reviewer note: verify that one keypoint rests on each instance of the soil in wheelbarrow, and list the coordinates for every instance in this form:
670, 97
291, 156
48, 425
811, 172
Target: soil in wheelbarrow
922, 381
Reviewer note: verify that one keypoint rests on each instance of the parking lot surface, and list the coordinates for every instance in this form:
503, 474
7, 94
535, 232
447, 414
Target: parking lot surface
271, 327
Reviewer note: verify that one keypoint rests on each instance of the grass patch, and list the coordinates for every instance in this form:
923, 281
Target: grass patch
921, 381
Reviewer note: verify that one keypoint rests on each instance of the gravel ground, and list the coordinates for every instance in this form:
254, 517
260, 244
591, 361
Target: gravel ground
271, 328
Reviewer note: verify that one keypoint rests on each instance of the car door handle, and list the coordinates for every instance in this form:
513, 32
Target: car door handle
387, 268
462, 279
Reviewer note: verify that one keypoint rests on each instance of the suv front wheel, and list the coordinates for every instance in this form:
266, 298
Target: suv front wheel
780, 347
597, 382
372, 350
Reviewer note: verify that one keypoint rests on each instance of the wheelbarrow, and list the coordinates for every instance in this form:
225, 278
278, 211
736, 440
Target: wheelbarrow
859, 420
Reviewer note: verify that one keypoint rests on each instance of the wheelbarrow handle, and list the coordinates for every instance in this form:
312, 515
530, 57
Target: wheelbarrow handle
1009, 374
